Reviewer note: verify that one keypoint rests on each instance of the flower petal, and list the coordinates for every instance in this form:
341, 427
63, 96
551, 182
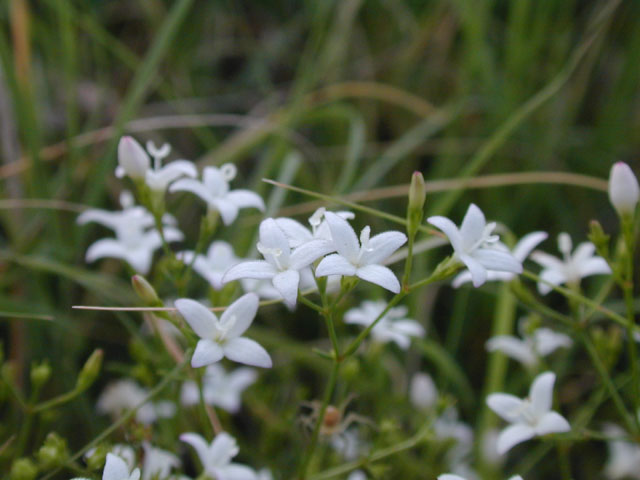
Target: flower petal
199, 444
192, 186
245, 199
244, 310
257, 269
380, 276
287, 284
199, 317
541, 393
343, 236
478, 271
115, 468
106, 247
505, 405
552, 422
450, 230
207, 352
554, 277
272, 237
295, 231
381, 246
235, 471
228, 210
499, 260
335, 264
306, 254
594, 266
159, 180
244, 350
512, 347
527, 243
472, 226
223, 448
513, 435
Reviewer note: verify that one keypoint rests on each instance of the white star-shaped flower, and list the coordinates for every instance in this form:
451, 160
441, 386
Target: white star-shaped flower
157, 462
214, 264
222, 338
392, 327
216, 457
529, 417
528, 350
281, 265
214, 190
360, 258
126, 394
476, 246
220, 388
572, 267
520, 252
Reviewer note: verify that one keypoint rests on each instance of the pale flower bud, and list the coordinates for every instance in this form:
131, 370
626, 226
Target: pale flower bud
423, 392
133, 161
623, 188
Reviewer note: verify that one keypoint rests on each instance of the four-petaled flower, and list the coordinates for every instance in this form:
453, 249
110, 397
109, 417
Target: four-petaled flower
281, 265
216, 457
475, 245
219, 388
572, 267
361, 259
222, 338
529, 417
214, 190
392, 327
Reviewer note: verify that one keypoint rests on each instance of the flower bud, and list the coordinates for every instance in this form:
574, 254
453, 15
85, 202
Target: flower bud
90, 370
623, 189
599, 238
23, 469
144, 290
40, 374
53, 452
415, 208
423, 392
132, 159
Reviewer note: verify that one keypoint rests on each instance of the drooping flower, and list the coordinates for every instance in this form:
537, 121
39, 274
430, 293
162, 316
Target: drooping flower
214, 264
476, 246
422, 391
572, 267
360, 258
392, 327
220, 388
125, 394
624, 191
157, 462
281, 265
528, 350
214, 190
222, 338
529, 417
216, 456
520, 252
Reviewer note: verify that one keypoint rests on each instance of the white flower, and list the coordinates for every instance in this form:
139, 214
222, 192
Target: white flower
528, 351
157, 462
214, 264
529, 417
115, 468
216, 457
298, 234
520, 252
573, 267
133, 243
623, 188
363, 258
422, 391
219, 388
357, 475
624, 456
448, 427
126, 394
392, 327
133, 161
281, 265
475, 245
214, 189
158, 178
264, 474
450, 476
222, 338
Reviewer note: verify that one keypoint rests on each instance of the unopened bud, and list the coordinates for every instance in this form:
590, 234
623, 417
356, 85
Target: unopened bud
599, 238
415, 208
40, 374
624, 191
54, 451
144, 290
133, 161
90, 370
23, 469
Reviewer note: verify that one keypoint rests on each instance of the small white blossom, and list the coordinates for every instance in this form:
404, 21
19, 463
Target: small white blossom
222, 338
160, 177
449, 427
528, 351
214, 190
624, 191
115, 468
126, 394
220, 388
133, 161
572, 267
624, 456
216, 457
360, 258
476, 246
529, 417
214, 264
392, 327
520, 252
298, 234
157, 462
422, 391
281, 265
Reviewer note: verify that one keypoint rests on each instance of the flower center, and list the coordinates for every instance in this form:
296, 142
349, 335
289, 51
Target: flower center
316, 219
365, 235
271, 254
486, 239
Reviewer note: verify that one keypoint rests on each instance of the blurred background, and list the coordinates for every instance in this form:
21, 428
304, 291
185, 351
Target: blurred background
333, 96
